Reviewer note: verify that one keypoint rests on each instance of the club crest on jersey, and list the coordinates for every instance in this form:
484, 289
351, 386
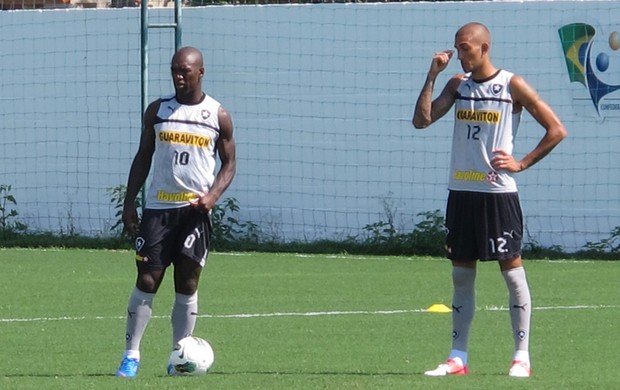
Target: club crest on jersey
496, 88
139, 243
205, 114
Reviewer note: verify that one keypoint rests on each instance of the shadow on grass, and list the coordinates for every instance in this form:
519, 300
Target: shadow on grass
248, 372
219, 373
55, 375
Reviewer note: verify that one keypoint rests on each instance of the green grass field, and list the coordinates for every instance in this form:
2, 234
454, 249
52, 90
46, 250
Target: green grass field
286, 321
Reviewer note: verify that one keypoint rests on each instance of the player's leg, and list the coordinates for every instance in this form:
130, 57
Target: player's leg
150, 250
187, 269
506, 231
139, 312
185, 309
520, 306
462, 251
140, 307
463, 307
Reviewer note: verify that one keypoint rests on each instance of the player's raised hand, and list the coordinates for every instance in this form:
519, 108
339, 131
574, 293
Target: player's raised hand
441, 60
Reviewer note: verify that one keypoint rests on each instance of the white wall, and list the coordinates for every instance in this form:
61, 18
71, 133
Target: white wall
321, 96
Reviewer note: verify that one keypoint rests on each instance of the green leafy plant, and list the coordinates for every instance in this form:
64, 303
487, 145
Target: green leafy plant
611, 244
429, 235
225, 225
228, 229
117, 199
8, 225
382, 232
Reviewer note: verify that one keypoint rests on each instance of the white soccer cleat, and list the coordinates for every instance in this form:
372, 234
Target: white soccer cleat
520, 369
451, 367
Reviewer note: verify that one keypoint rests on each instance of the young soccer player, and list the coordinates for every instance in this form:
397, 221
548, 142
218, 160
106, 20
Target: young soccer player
483, 216
182, 135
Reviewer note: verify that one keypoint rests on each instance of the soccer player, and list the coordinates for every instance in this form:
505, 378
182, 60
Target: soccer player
483, 213
182, 135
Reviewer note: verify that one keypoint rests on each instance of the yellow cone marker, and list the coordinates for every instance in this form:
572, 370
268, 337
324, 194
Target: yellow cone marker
438, 308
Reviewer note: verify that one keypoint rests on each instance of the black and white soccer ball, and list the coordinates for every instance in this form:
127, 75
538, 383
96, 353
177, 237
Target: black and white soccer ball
191, 356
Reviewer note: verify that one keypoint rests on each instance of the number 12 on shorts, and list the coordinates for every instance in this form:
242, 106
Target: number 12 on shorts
498, 245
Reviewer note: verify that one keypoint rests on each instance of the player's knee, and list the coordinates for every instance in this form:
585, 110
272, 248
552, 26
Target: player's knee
509, 264
148, 283
186, 287
146, 286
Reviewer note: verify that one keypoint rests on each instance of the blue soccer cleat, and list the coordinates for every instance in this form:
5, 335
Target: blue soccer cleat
128, 368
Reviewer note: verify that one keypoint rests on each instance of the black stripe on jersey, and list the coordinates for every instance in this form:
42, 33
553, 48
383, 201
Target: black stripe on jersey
482, 99
160, 120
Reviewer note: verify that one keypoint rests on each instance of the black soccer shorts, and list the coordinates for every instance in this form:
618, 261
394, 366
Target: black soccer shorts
166, 235
484, 226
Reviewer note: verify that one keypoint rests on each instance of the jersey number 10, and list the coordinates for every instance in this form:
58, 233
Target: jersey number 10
181, 158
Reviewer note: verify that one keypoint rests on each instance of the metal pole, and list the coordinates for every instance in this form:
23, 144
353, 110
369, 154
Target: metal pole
178, 32
144, 69
144, 56
144, 61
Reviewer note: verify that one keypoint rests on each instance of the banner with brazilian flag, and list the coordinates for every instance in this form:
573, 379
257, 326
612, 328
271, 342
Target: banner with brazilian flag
575, 39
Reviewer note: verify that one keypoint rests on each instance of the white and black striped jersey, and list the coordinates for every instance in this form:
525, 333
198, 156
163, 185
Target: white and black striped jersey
185, 148
484, 122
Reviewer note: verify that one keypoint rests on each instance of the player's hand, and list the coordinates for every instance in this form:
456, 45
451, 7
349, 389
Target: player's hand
130, 218
504, 161
441, 61
202, 202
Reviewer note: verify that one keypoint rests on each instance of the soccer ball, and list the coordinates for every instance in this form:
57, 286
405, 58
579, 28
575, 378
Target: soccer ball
191, 356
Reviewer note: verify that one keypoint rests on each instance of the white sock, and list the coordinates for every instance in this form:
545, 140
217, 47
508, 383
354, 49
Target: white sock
139, 312
132, 354
463, 308
520, 305
184, 313
522, 356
